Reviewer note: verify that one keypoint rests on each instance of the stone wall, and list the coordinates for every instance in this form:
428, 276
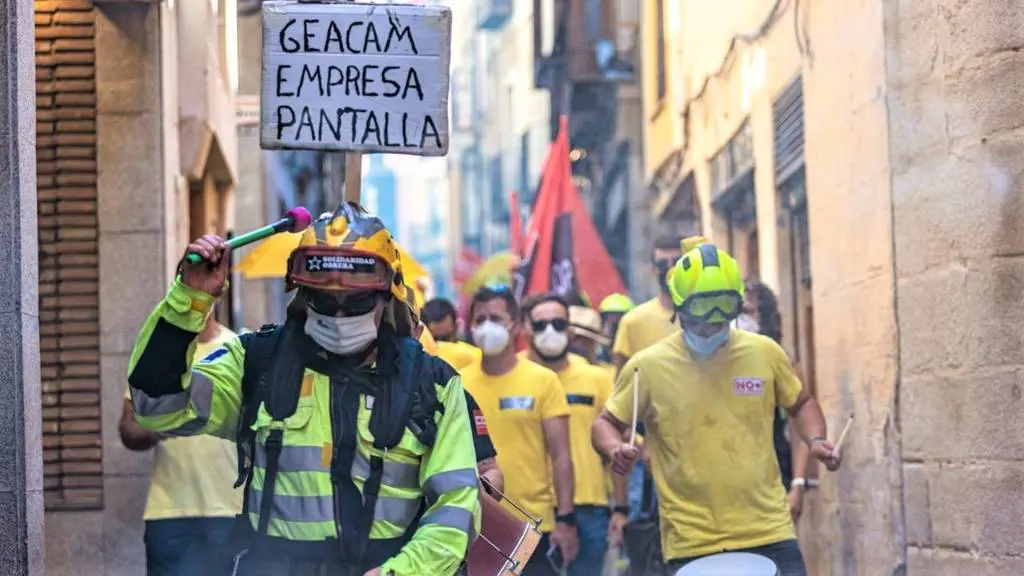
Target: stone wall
856, 525
955, 86
21, 477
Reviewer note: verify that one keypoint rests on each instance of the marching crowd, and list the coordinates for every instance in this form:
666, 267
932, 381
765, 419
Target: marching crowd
350, 439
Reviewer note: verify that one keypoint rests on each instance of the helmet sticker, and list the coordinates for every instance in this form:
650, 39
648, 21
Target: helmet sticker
340, 263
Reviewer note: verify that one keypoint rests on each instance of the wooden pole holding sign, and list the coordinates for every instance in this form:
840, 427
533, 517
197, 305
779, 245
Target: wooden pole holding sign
345, 76
353, 176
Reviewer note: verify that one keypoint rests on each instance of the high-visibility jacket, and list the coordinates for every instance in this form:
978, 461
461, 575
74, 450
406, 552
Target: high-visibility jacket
429, 496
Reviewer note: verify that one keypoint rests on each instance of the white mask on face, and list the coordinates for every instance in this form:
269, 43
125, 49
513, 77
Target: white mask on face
342, 336
748, 323
551, 343
492, 338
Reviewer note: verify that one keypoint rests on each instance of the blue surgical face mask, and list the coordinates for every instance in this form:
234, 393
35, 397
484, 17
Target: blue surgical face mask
703, 347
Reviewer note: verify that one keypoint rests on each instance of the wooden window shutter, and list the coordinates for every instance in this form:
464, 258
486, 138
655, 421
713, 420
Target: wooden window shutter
68, 254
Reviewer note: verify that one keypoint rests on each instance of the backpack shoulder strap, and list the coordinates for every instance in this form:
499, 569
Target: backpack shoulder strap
259, 349
408, 400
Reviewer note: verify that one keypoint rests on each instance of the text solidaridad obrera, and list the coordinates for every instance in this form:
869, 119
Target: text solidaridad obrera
356, 77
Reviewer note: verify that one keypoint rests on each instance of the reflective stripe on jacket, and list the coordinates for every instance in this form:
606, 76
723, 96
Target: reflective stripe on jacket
174, 396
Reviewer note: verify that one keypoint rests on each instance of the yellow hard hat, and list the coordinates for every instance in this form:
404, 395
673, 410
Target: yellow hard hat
616, 303
705, 285
348, 249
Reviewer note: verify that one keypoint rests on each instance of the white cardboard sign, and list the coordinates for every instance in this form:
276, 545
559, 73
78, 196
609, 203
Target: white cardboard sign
355, 77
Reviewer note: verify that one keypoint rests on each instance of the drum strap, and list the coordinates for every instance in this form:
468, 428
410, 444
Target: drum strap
273, 446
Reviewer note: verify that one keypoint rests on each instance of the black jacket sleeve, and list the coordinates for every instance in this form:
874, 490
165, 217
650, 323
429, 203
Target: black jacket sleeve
481, 439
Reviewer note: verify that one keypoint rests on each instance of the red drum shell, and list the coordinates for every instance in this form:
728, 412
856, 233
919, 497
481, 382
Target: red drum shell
515, 538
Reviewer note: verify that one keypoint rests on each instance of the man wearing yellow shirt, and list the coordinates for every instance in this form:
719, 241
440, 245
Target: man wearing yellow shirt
586, 389
652, 320
192, 502
528, 419
708, 395
440, 319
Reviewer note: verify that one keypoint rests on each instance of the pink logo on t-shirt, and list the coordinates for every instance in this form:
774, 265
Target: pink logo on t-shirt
748, 387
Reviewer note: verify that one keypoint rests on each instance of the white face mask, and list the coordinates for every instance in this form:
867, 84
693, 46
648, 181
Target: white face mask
748, 323
492, 338
342, 336
551, 343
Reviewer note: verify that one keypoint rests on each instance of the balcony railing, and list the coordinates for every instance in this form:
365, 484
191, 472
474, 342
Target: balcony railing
598, 43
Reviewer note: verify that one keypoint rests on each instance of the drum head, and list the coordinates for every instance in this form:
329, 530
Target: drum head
730, 564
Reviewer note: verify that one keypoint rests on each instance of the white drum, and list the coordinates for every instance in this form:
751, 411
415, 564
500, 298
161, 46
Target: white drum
731, 564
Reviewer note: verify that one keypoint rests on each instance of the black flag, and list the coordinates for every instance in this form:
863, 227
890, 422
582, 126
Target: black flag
563, 266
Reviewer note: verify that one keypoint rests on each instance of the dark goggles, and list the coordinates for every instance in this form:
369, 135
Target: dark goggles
711, 307
341, 303
332, 268
559, 324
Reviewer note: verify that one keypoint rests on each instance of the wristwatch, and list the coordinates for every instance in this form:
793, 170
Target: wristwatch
624, 510
567, 519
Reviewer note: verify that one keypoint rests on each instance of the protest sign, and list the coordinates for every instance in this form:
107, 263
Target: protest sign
355, 77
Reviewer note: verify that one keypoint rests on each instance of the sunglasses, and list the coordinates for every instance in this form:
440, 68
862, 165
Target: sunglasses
559, 324
350, 304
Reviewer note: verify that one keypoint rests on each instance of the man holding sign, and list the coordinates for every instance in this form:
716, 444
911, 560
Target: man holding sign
355, 445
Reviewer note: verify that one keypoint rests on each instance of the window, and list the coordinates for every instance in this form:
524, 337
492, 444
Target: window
660, 56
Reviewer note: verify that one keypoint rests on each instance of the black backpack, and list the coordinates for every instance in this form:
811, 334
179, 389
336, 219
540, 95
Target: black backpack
412, 404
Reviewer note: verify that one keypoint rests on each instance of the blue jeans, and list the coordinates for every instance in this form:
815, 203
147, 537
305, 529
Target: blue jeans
192, 546
592, 529
636, 492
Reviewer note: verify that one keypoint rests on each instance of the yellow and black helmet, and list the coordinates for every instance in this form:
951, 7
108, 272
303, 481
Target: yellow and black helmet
706, 285
348, 250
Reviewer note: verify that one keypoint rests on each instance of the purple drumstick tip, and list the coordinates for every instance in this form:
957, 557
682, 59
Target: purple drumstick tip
300, 217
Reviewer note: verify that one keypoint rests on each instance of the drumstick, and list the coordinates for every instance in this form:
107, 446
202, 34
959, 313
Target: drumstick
636, 400
842, 437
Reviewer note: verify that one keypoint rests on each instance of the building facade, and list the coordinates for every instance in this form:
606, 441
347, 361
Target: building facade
863, 161
500, 121
516, 67
136, 154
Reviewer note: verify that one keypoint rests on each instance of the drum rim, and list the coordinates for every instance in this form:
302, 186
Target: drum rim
709, 560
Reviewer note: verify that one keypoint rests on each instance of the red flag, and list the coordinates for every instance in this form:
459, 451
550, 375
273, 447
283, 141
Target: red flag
596, 274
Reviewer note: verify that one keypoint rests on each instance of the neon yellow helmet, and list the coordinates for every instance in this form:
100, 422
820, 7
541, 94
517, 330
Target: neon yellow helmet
348, 250
706, 285
616, 303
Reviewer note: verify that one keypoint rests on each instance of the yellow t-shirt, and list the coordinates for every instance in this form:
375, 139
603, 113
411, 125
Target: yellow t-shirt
709, 436
587, 389
458, 354
194, 477
609, 368
514, 405
643, 326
